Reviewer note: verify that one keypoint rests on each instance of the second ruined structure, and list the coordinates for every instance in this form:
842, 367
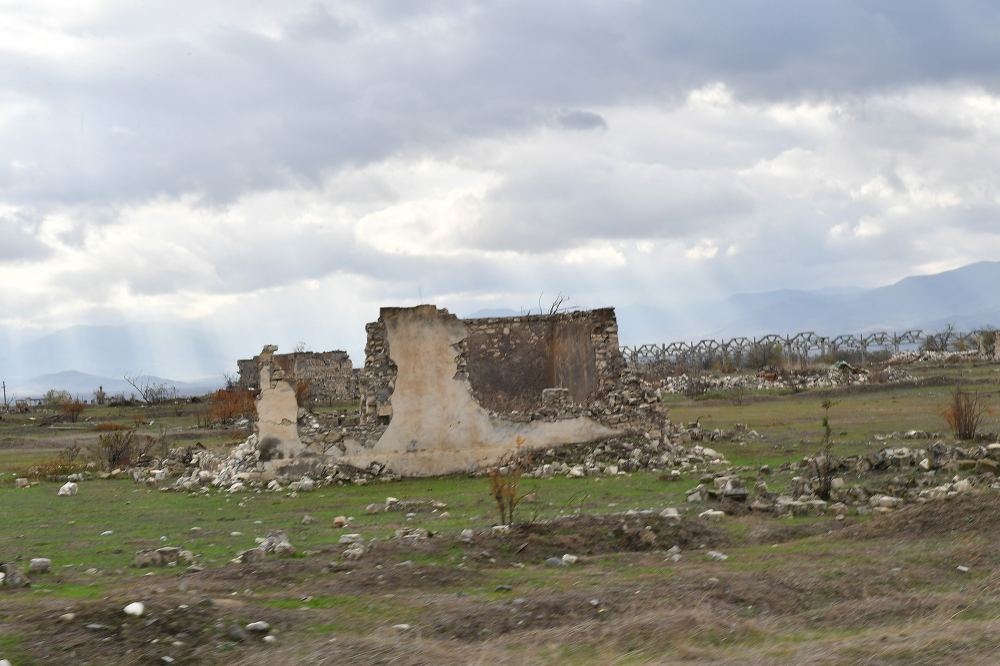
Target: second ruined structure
440, 394
326, 377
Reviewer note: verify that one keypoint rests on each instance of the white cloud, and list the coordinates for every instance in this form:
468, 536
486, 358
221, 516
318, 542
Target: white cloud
182, 159
703, 249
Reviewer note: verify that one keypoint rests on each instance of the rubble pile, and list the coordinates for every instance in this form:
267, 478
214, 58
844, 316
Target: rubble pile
838, 374
921, 356
921, 475
621, 456
244, 467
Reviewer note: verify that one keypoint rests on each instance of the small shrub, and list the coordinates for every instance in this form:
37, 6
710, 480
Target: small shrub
988, 342
71, 409
965, 412
116, 449
824, 463
505, 482
227, 405
68, 461
696, 385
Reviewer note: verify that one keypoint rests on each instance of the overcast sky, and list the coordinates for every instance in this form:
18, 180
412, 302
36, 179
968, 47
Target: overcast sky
244, 163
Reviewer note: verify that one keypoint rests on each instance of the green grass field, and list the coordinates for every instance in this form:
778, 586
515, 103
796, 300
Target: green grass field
804, 590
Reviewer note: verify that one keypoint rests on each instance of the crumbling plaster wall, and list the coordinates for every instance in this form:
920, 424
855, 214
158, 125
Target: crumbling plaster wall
435, 425
277, 412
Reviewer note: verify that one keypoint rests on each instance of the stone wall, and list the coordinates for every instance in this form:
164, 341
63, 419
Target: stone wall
329, 375
510, 361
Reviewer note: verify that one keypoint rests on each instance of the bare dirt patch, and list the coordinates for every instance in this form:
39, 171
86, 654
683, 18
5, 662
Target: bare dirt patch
979, 513
595, 535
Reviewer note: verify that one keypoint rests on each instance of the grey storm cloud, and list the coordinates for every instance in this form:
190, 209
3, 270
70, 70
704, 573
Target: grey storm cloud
219, 109
582, 120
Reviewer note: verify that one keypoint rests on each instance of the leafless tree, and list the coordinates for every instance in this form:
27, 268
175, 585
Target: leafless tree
942, 340
150, 392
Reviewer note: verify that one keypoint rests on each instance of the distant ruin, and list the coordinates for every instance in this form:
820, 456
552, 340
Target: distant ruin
441, 394
329, 376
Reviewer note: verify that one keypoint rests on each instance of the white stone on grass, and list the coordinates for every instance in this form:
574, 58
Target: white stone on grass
39, 565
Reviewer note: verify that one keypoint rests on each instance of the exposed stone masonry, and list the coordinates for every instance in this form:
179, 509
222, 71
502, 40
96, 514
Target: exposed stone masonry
329, 375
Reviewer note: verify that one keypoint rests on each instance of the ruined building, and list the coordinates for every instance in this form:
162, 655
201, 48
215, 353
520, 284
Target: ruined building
441, 394
329, 376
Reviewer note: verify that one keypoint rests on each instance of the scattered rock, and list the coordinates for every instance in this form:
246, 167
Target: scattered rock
259, 627
11, 576
162, 557
135, 609
39, 565
670, 513
716, 555
303, 485
569, 559
307, 519
412, 533
340, 522
236, 634
68, 489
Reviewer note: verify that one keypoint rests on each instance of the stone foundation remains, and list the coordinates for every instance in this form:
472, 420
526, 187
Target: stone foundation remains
443, 395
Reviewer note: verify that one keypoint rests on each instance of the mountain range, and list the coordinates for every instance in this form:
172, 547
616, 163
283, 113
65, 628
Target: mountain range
198, 354
968, 297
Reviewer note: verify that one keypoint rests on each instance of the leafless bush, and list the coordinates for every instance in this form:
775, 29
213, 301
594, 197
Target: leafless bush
824, 463
117, 448
505, 482
696, 384
71, 409
227, 405
68, 461
965, 412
